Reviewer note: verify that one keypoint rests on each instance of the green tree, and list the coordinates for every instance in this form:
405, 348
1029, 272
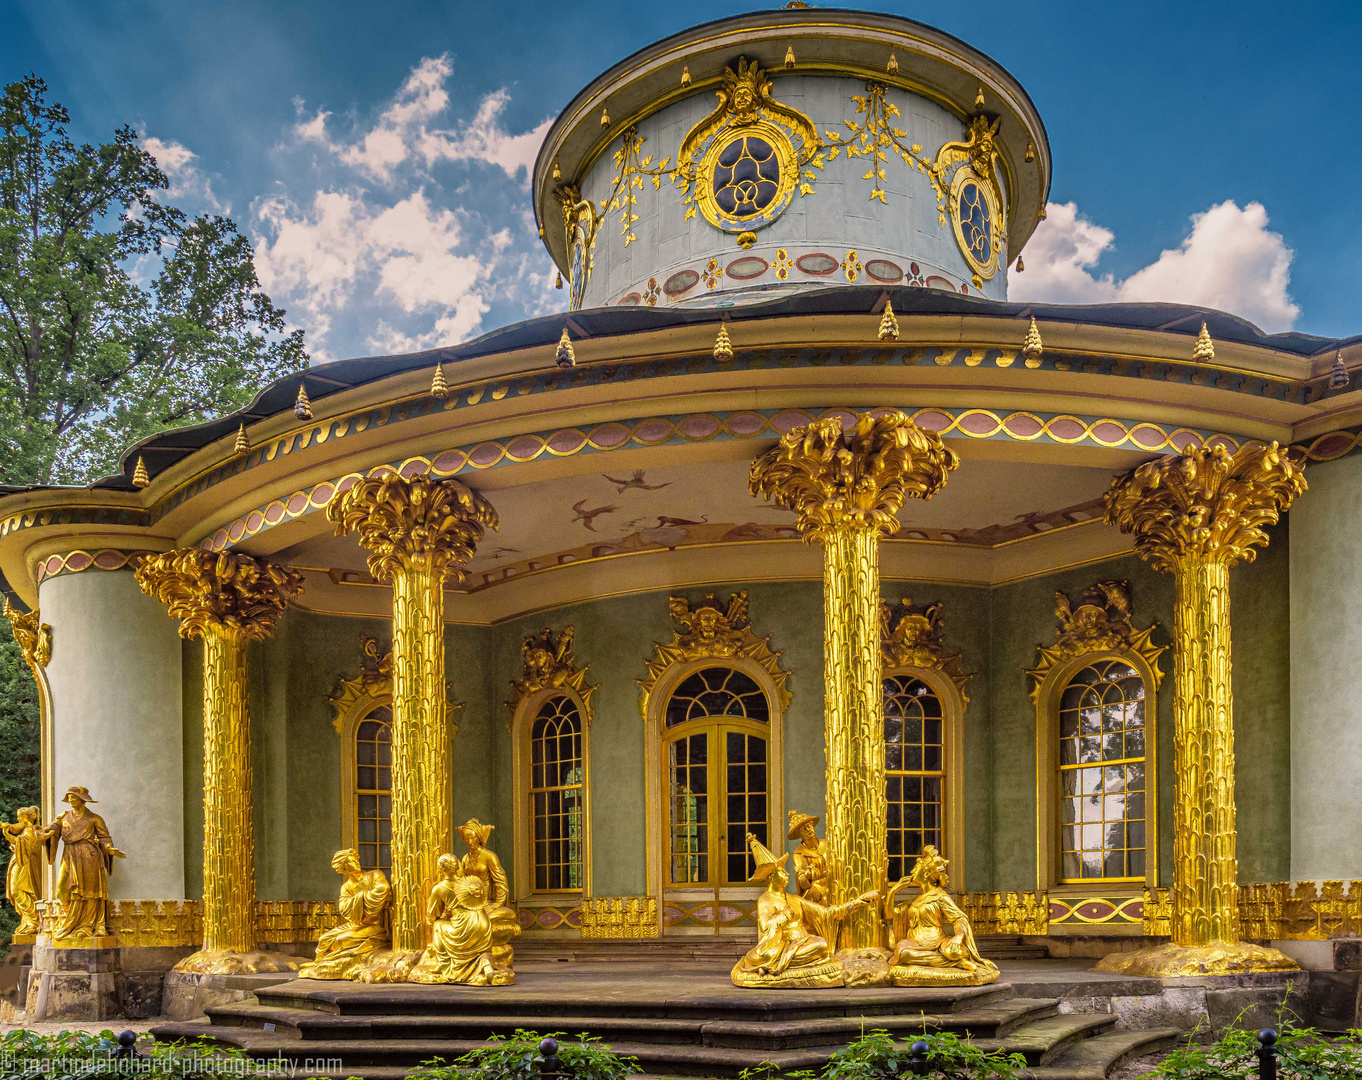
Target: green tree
120, 316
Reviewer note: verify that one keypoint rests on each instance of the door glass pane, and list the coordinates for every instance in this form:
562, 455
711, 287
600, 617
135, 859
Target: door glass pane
745, 773
688, 799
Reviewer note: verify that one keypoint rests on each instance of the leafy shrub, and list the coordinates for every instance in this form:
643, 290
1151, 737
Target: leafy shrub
878, 1056
1302, 1054
80, 1055
517, 1058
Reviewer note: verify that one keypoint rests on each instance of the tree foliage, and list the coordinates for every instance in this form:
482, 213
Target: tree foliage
120, 316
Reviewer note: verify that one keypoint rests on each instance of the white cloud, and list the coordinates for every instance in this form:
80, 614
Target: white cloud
189, 184
484, 139
1229, 261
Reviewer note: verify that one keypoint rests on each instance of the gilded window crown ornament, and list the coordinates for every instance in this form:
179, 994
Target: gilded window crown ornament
234, 593
832, 478
911, 638
33, 636
1205, 503
1099, 623
413, 519
968, 170
375, 680
713, 631
547, 661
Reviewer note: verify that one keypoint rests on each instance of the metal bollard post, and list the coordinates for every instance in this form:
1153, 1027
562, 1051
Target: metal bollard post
1267, 1054
127, 1045
917, 1058
549, 1068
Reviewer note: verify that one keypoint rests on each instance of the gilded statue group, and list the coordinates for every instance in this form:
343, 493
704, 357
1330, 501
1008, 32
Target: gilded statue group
929, 938
87, 855
470, 923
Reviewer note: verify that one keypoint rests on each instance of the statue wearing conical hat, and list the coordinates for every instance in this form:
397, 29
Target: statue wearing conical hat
796, 937
87, 856
933, 942
812, 858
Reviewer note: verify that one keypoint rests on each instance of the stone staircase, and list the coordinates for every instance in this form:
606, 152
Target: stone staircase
701, 949
676, 1024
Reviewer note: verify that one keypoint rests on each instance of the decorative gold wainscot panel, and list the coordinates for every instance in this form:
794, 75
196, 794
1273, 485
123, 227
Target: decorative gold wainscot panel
1311, 911
282, 921
619, 917
179, 923
564, 916
1007, 912
1114, 913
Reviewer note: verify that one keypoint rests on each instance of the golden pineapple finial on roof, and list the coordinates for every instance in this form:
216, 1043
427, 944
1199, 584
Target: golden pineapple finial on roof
1204, 352
438, 387
140, 479
723, 345
302, 404
605, 118
892, 67
565, 356
1032, 347
979, 100
889, 325
685, 75
789, 56
242, 446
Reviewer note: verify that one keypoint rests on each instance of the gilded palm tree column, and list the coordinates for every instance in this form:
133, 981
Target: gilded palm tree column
228, 601
1196, 515
420, 532
846, 490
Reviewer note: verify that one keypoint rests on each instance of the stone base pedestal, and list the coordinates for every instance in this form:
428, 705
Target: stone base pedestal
103, 983
187, 995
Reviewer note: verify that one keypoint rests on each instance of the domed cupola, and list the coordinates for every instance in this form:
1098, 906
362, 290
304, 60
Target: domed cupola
790, 149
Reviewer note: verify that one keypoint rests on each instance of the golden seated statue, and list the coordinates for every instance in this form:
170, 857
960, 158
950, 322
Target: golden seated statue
462, 941
796, 938
343, 952
934, 945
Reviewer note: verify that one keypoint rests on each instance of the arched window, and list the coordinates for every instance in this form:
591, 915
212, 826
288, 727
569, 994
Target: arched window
373, 789
1102, 774
556, 803
715, 750
915, 770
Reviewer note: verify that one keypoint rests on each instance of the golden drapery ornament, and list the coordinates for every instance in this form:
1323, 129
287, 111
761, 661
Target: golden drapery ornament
1197, 514
711, 631
546, 662
1100, 623
911, 638
227, 600
846, 489
343, 951
420, 532
933, 940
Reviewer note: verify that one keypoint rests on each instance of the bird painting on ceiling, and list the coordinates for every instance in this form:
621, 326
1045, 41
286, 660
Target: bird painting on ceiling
588, 517
635, 481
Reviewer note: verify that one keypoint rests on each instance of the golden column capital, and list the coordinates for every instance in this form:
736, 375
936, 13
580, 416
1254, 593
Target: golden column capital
1196, 514
409, 521
846, 488
236, 595
227, 600
833, 480
1204, 503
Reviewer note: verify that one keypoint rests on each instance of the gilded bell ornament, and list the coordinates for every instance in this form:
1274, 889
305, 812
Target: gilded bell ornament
892, 67
242, 446
140, 479
438, 387
723, 345
558, 280
1204, 350
889, 324
557, 174
685, 76
565, 356
1032, 347
1339, 379
979, 100
302, 404
1030, 153
789, 57
605, 118
1020, 265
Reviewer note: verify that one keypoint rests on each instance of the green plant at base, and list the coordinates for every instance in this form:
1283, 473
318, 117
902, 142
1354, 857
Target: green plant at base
1302, 1054
879, 1056
517, 1058
81, 1055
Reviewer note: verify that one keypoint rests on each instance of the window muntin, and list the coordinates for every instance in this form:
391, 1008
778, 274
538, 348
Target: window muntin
556, 796
915, 770
717, 691
1102, 774
373, 790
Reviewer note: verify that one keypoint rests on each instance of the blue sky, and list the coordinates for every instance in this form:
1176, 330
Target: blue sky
1204, 152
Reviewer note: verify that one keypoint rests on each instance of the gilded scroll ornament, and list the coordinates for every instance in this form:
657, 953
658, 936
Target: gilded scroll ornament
1196, 514
968, 171
796, 938
1100, 623
714, 631
547, 661
846, 489
581, 222
33, 636
911, 638
343, 951
420, 532
933, 941
24, 875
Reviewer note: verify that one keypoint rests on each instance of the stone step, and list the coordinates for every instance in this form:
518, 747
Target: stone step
1094, 1058
1043, 1039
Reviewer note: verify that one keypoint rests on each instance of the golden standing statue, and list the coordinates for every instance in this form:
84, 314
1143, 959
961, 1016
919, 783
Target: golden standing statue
796, 937
934, 944
87, 856
343, 952
463, 941
24, 879
812, 859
